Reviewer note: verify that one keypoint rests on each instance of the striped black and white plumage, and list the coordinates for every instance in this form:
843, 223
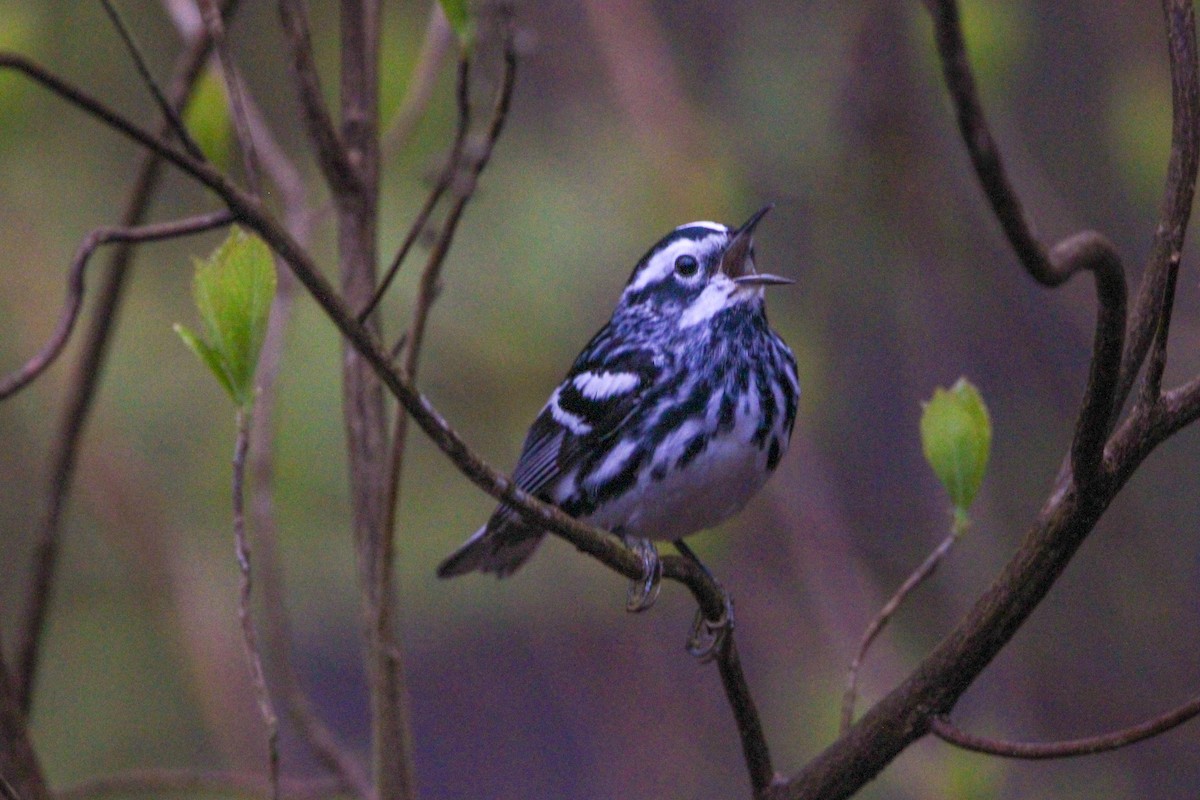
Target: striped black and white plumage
671, 418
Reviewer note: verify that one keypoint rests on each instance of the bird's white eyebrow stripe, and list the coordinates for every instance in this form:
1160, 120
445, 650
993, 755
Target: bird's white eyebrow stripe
603, 385
661, 263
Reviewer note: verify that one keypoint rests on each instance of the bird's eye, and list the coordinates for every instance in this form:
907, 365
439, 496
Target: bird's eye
686, 266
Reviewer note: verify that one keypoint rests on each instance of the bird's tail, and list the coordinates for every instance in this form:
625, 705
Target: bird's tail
501, 546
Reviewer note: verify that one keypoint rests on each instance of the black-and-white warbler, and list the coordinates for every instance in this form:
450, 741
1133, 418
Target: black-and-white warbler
671, 418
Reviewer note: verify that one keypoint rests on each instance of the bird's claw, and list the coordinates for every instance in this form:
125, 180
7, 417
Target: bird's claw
643, 591
708, 635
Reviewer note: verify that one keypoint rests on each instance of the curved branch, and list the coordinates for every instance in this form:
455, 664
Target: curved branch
1092, 252
981, 147
945, 730
1084, 251
19, 766
18, 379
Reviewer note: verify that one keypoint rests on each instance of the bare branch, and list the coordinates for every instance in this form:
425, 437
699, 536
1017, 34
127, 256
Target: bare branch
13, 382
1150, 318
215, 25
745, 714
168, 110
947, 731
330, 150
453, 164
431, 275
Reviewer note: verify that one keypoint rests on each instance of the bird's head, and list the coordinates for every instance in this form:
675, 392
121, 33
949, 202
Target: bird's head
698, 270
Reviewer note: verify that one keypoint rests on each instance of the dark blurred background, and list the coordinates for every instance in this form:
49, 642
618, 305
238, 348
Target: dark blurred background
630, 118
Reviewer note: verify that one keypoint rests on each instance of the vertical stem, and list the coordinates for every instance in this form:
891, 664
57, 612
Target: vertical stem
363, 400
246, 584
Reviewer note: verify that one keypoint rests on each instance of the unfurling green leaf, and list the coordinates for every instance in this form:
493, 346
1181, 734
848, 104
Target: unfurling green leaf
233, 289
460, 21
956, 435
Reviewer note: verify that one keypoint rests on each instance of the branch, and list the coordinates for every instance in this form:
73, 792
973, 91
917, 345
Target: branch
330, 151
215, 26
1151, 313
87, 375
170, 114
948, 732
13, 382
453, 163
430, 276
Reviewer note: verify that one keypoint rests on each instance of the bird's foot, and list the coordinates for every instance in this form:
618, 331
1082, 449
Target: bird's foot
708, 635
643, 591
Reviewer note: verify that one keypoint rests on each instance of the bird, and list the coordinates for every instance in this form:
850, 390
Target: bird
671, 418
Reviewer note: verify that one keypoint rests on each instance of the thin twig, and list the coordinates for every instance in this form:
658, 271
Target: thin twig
246, 585
453, 164
431, 275
945, 730
330, 150
919, 576
427, 293
86, 376
139, 62
18, 379
215, 25
185, 781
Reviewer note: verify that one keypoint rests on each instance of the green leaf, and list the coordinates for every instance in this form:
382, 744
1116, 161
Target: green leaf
460, 21
207, 118
206, 354
956, 436
233, 289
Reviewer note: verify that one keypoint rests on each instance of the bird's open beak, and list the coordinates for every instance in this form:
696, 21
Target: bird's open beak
736, 261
